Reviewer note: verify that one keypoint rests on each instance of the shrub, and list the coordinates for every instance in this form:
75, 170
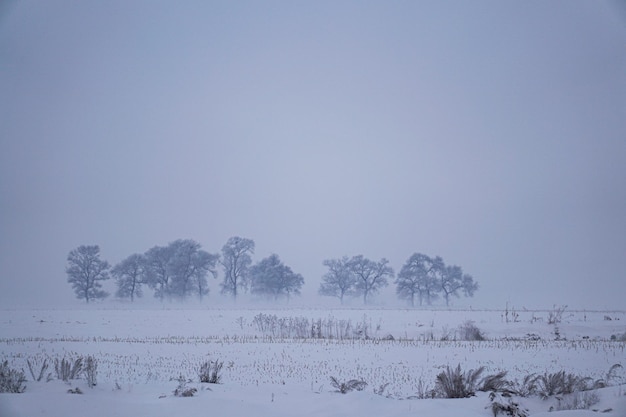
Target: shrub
527, 387
74, 391
560, 383
91, 371
182, 390
67, 369
469, 331
496, 382
11, 380
615, 376
38, 369
556, 315
210, 372
504, 404
453, 383
351, 385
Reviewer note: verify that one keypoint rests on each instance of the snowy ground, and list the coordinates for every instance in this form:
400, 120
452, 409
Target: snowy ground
141, 353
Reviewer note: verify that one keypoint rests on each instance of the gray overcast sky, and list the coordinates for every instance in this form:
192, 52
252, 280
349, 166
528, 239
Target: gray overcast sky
492, 134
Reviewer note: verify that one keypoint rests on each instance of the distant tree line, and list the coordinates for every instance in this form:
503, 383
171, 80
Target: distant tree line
421, 278
180, 270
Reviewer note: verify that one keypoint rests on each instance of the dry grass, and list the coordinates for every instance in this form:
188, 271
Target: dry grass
11, 380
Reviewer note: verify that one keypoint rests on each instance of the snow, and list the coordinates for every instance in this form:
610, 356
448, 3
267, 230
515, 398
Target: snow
141, 353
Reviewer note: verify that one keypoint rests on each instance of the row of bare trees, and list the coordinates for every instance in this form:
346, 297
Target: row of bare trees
421, 278
180, 270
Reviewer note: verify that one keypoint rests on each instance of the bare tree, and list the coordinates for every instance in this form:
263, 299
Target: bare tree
179, 269
157, 273
85, 272
236, 262
205, 263
339, 280
452, 279
271, 278
370, 276
189, 266
416, 278
129, 275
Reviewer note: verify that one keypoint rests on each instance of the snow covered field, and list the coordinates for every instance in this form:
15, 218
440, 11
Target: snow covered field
270, 369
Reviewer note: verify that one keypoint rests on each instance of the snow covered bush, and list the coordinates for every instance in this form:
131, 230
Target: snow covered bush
67, 369
615, 375
556, 314
91, 370
526, 387
454, 383
38, 368
351, 385
11, 380
210, 372
470, 332
504, 404
559, 383
182, 390
496, 382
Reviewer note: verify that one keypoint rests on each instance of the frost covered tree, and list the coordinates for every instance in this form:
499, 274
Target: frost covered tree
370, 276
236, 261
157, 273
189, 266
426, 278
271, 278
179, 269
417, 279
129, 274
86, 271
452, 280
339, 281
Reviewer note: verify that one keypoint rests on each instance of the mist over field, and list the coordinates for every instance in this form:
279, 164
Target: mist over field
490, 134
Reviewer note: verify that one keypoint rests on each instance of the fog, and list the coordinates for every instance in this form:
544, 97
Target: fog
491, 134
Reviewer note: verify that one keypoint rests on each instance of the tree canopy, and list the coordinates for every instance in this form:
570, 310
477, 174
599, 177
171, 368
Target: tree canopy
339, 281
179, 269
129, 275
86, 271
370, 276
236, 261
273, 279
426, 278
